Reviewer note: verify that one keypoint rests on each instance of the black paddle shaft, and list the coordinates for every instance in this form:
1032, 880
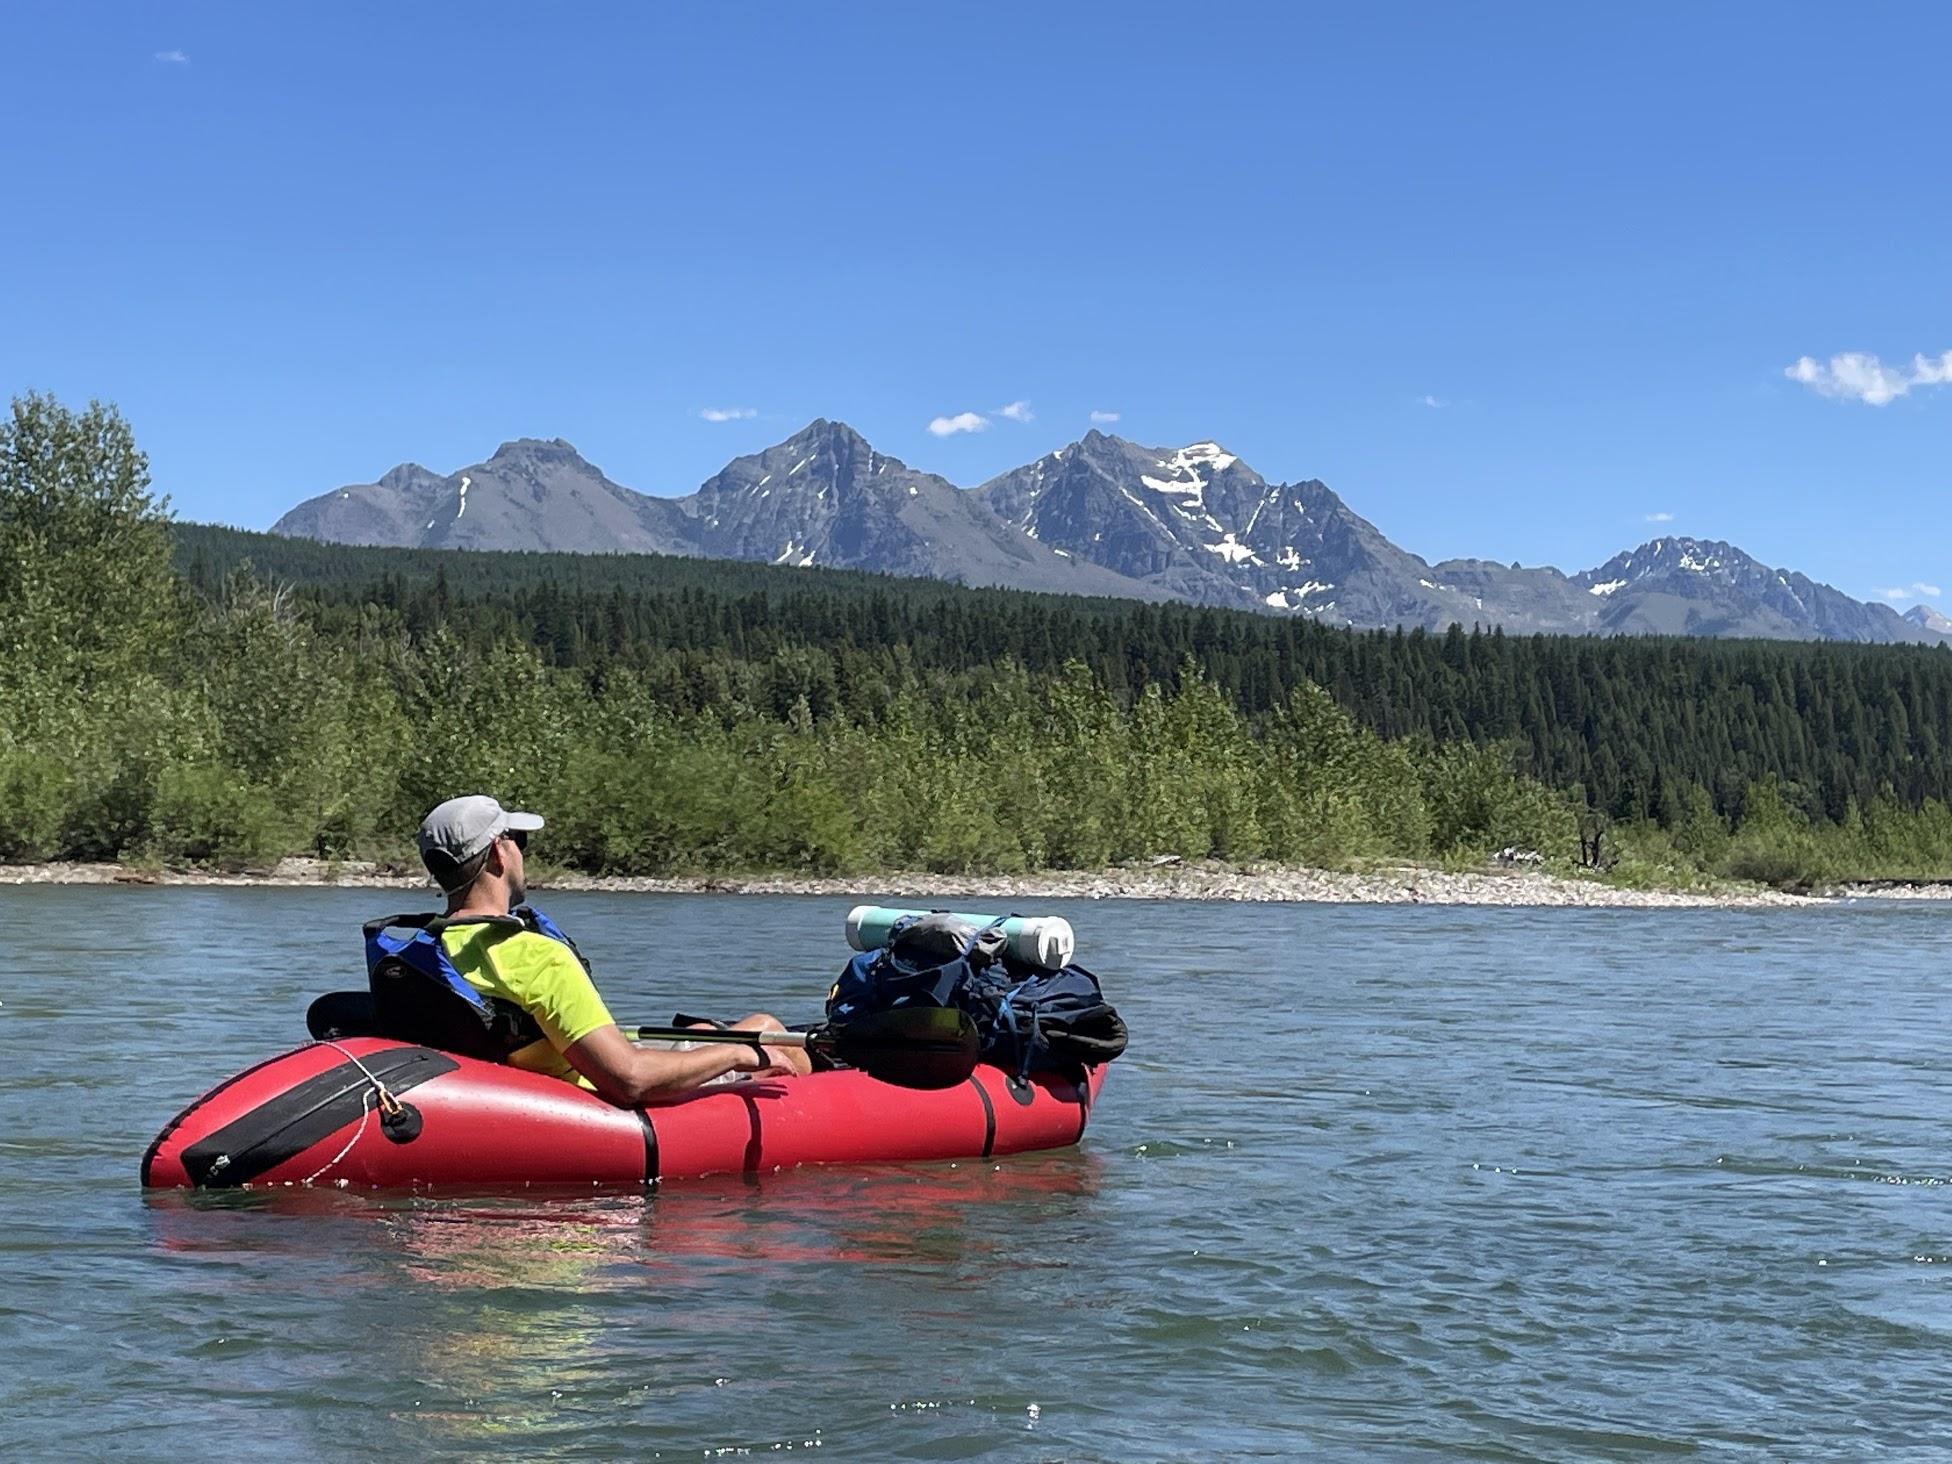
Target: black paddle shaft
911, 1047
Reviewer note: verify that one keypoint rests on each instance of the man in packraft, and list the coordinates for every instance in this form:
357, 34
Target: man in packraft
473, 848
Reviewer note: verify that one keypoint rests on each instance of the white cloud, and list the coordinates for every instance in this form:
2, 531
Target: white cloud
1433, 401
728, 414
1662, 517
1104, 419
1917, 590
961, 422
1861, 375
173, 58
1017, 412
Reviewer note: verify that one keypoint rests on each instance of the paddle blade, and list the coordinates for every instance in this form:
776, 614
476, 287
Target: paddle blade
343, 1014
911, 1047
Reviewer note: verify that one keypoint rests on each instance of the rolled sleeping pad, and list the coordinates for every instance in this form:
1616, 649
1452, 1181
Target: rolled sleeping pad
1045, 941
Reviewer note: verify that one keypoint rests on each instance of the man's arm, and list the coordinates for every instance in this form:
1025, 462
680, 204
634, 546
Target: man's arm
631, 1076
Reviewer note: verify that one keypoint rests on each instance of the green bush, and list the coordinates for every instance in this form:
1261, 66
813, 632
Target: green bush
1776, 843
1771, 865
207, 814
36, 793
1478, 804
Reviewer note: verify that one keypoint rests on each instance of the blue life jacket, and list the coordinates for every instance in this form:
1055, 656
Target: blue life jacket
419, 996
1031, 1020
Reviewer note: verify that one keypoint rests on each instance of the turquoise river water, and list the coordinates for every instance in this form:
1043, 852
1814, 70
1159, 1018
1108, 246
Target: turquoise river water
1411, 1183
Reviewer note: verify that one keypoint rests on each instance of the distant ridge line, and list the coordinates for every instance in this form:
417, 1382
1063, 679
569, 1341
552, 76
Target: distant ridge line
1100, 516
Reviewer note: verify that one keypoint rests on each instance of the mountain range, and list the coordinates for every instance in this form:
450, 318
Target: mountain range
1100, 516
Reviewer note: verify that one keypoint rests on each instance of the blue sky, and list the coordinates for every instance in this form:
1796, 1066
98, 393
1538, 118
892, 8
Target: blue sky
1516, 280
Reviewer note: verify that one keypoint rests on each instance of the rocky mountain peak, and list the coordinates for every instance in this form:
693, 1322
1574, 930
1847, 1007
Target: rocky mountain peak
408, 477
833, 442
1194, 518
552, 452
826, 497
819, 497
1194, 456
817, 468
1099, 442
1669, 555
820, 430
1929, 619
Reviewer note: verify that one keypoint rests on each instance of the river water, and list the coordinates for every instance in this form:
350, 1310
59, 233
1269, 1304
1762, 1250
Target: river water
1371, 1182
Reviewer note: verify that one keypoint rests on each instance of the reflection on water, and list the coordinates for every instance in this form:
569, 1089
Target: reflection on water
515, 1295
855, 1214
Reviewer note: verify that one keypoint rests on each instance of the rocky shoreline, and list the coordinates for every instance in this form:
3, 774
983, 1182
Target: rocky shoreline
1395, 885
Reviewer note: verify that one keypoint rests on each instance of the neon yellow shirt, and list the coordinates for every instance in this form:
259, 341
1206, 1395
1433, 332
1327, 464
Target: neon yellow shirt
542, 977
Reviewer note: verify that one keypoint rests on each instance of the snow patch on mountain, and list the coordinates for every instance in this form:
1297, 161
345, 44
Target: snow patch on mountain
1184, 467
1232, 551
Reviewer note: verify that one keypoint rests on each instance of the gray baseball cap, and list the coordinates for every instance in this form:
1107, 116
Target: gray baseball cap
461, 829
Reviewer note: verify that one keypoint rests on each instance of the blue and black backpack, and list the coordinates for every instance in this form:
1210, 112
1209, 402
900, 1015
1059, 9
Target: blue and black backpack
1032, 1020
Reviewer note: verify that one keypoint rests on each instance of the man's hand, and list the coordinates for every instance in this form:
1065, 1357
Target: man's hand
768, 1062
630, 1075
